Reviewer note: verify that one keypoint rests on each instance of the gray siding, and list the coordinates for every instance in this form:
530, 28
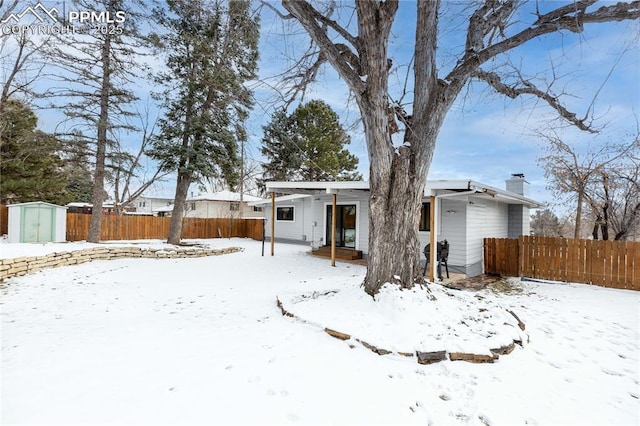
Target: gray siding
518, 220
486, 218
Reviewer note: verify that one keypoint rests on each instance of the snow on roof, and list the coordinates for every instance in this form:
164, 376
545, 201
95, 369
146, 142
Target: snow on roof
168, 208
224, 196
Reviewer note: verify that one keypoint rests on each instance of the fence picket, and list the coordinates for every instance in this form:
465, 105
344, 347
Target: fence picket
147, 227
613, 264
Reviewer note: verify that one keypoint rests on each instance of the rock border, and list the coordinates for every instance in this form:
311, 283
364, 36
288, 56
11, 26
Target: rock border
18, 266
424, 358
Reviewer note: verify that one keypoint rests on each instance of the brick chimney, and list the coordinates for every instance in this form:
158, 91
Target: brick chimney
516, 183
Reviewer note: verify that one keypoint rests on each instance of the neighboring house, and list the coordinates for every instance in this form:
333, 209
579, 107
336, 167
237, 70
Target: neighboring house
223, 204
150, 205
108, 208
466, 212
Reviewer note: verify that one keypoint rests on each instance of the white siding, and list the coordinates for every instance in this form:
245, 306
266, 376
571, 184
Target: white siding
310, 219
486, 218
289, 230
453, 228
212, 209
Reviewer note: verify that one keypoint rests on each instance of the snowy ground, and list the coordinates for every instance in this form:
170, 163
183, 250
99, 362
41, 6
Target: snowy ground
201, 341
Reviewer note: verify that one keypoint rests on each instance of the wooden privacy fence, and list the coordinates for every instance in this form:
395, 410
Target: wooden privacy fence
149, 227
605, 263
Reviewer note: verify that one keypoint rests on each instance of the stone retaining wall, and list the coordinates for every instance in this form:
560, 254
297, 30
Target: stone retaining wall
25, 265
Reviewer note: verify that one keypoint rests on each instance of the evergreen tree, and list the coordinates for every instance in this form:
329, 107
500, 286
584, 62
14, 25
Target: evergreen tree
545, 223
211, 51
30, 168
308, 145
280, 148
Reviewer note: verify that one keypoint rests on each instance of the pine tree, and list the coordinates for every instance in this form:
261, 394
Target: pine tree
211, 51
308, 145
30, 168
279, 147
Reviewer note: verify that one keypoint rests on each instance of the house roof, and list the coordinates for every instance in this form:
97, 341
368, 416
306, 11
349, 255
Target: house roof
438, 187
224, 196
168, 208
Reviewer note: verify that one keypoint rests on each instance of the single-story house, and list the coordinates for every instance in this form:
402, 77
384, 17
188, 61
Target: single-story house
223, 204
466, 212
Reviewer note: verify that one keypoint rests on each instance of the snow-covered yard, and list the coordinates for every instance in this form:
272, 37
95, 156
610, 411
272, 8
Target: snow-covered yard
201, 341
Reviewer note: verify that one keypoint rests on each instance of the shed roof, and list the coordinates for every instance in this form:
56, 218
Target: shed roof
31, 203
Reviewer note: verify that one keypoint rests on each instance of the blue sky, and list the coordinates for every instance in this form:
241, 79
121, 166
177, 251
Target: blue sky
485, 137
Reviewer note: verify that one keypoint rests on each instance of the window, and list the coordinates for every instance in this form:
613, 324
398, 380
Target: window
285, 213
142, 204
425, 217
193, 206
257, 209
234, 207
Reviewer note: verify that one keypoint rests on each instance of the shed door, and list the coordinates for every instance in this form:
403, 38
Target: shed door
37, 224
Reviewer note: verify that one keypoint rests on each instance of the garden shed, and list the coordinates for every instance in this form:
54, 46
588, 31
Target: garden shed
37, 222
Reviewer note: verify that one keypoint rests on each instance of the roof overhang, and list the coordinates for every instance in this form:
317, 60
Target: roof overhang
316, 188
436, 187
291, 197
470, 188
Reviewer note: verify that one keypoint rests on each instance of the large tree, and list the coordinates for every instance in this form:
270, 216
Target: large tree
357, 48
95, 89
597, 174
211, 52
308, 145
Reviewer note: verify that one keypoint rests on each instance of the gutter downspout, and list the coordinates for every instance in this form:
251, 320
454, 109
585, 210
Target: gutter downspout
434, 232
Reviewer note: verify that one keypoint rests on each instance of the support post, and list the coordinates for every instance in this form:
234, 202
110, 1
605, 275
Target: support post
333, 229
273, 221
432, 237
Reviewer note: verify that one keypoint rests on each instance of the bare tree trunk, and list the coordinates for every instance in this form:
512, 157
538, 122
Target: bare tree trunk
576, 231
101, 143
596, 226
182, 189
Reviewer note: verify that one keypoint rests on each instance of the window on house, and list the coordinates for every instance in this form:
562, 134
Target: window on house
425, 217
193, 206
285, 213
234, 207
257, 209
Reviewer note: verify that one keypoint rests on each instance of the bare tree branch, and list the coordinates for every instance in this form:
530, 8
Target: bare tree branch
528, 88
